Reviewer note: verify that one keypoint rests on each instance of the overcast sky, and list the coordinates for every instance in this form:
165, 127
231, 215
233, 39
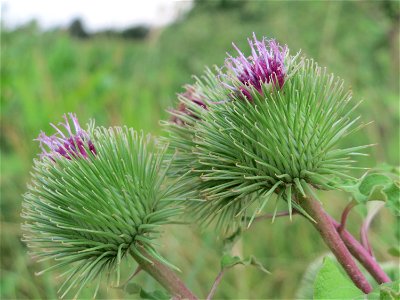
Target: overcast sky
96, 15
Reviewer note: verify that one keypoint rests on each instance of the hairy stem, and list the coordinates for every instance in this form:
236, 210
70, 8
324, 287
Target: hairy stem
164, 275
331, 237
362, 255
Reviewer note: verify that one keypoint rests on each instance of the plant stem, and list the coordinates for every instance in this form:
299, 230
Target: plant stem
362, 255
373, 211
215, 285
331, 237
345, 214
164, 275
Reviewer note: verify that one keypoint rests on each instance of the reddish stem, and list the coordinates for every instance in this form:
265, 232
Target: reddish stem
332, 239
164, 275
362, 255
345, 214
365, 226
215, 285
364, 238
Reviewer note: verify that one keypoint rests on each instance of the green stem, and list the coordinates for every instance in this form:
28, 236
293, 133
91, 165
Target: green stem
164, 275
332, 239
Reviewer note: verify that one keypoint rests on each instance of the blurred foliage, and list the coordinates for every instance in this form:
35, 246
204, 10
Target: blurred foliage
133, 82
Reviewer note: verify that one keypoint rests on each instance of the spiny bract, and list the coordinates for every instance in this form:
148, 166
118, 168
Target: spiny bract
88, 213
253, 141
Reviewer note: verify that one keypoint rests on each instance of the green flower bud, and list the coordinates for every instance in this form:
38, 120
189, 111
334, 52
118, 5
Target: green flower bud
89, 214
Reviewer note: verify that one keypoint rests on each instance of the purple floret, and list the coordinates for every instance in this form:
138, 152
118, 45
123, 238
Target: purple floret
192, 95
265, 65
69, 145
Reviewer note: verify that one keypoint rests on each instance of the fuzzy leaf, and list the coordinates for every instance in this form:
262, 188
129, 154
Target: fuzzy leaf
229, 261
331, 283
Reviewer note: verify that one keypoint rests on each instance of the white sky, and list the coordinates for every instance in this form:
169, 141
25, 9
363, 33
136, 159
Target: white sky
100, 14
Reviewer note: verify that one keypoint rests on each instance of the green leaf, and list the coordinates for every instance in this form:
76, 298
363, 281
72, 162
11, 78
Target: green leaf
229, 261
378, 184
230, 241
390, 291
386, 291
331, 283
306, 285
395, 251
133, 289
393, 197
155, 295
370, 183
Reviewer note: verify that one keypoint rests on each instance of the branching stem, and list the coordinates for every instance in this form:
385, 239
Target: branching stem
362, 255
331, 237
164, 275
365, 227
345, 214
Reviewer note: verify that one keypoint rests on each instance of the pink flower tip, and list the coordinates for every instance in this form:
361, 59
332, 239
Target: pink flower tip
264, 66
67, 142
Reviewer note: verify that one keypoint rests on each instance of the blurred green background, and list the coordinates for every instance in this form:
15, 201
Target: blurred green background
120, 81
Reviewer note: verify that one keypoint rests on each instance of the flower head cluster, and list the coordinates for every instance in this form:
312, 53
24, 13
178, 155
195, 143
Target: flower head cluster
69, 145
265, 65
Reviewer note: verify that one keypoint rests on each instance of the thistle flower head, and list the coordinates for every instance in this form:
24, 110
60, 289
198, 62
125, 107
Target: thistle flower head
283, 144
90, 215
265, 65
67, 144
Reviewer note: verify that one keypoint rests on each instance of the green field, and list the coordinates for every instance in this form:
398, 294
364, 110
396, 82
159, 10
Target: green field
127, 82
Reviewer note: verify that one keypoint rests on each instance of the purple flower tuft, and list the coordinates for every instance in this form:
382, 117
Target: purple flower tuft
69, 145
265, 65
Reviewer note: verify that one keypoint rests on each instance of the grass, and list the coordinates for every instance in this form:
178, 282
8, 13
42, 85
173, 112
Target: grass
113, 81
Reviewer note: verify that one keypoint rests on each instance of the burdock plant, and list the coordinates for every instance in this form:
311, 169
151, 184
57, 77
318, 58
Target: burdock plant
262, 129
274, 132
270, 132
